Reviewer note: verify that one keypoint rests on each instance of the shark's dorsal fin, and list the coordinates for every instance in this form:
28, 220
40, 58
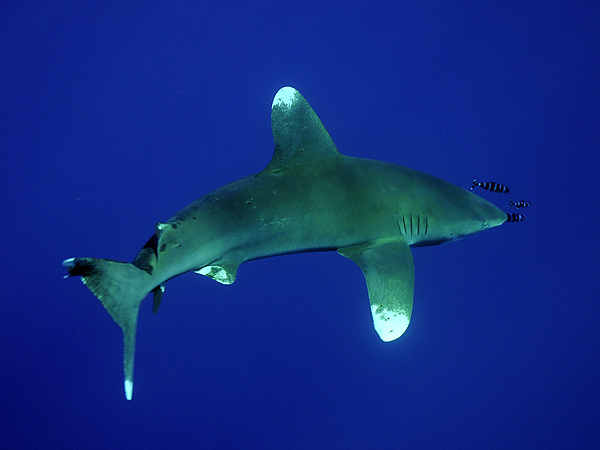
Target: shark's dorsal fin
300, 137
390, 275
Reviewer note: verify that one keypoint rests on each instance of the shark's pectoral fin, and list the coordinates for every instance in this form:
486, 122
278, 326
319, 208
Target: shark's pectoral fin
390, 275
222, 271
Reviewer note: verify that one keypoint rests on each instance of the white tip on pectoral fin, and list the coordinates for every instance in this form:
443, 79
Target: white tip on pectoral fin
390, 275
389, 324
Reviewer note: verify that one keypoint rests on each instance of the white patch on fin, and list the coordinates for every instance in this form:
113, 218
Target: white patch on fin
285, 95
69, 264
217, 273
128, 389
389, 325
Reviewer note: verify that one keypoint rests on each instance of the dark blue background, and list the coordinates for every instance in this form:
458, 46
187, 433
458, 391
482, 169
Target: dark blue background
117, 114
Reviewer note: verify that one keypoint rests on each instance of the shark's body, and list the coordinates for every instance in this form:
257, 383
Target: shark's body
309, 198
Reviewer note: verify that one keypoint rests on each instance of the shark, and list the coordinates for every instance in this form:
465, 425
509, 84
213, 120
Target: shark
310, 197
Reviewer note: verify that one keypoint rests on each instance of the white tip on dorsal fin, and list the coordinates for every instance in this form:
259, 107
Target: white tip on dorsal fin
285, 96
300, 137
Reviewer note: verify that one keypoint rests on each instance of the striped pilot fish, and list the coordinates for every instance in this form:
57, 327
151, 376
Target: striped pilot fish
515, 217
520, 203
491, 186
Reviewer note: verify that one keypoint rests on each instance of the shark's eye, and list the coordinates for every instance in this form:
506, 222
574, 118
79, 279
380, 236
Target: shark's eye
485, 225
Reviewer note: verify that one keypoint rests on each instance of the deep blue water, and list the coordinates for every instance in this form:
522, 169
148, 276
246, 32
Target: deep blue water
115, 116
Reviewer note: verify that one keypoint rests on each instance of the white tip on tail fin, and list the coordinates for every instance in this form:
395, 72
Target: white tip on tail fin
120, 287
128, 389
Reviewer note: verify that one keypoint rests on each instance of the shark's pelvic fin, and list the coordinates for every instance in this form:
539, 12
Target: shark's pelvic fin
390, 275
120, 287
222, 271
300, 137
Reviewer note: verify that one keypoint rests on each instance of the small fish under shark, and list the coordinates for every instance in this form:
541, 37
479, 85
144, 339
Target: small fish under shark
310, 197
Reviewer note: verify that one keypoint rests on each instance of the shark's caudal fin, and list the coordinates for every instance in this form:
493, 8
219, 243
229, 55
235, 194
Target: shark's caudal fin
120, 287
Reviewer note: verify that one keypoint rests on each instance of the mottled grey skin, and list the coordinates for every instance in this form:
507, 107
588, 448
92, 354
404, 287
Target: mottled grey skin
316, 198
348, 202
309, 198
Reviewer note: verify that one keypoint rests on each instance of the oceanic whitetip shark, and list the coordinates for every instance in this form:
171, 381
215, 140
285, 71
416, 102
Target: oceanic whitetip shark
309, 198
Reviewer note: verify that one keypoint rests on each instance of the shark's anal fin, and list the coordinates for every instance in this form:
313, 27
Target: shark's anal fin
222, 271
158, 292
390, 275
